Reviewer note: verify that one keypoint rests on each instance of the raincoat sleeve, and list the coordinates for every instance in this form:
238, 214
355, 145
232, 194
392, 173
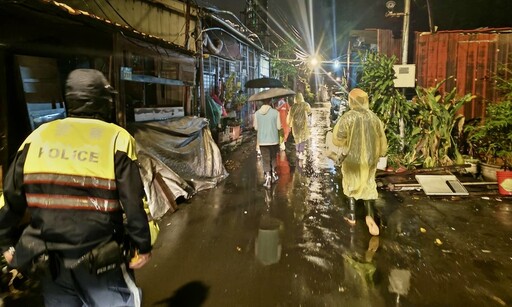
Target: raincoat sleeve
340, 135
383, 142
131, 193
289, 118
279, 126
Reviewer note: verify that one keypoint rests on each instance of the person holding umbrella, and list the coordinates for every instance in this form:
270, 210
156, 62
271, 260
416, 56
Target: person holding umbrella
267, 124
273, 87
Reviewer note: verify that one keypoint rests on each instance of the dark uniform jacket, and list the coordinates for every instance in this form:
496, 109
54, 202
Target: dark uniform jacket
77, 177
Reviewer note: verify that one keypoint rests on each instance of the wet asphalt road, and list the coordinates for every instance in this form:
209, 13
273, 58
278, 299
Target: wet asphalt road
243, 245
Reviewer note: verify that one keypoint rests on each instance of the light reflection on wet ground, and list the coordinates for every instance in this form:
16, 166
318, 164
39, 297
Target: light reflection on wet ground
289, 245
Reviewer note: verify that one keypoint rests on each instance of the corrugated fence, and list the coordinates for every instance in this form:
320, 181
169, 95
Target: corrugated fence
471, 58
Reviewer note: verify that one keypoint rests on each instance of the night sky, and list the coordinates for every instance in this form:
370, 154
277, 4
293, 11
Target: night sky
363, 14
447, 14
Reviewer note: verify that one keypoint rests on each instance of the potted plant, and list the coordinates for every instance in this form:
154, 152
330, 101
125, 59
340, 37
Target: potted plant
491, 141
240, 100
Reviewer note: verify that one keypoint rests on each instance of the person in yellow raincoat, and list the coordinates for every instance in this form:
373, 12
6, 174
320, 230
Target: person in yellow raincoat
297, 119
360, 134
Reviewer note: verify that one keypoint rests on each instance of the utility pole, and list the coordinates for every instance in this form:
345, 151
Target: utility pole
405, 31
390, 5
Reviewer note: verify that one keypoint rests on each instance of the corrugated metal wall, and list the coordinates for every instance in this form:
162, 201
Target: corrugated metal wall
383, 39
388, 44
470, 57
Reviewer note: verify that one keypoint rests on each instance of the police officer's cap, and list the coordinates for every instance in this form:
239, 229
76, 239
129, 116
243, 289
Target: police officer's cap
88, 94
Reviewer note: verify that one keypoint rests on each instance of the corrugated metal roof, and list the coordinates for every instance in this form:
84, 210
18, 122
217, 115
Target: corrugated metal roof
58, 8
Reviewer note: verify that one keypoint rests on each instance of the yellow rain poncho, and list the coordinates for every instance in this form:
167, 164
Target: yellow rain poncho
360, 134
297, 119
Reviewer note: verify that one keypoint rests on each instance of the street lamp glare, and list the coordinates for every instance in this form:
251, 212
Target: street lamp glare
314, 61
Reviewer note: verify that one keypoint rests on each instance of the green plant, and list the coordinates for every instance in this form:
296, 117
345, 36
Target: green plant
230, 88
281, 64
387, 102
232, 122
437, 121
240, 99
491, 141
504, 80
421, 133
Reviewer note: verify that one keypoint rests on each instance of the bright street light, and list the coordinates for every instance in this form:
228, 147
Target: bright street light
313, 61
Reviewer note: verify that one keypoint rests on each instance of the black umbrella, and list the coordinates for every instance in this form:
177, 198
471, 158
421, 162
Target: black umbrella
263, 83
271, 93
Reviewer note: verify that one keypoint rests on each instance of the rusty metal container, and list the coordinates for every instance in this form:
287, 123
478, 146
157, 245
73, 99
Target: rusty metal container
471, 57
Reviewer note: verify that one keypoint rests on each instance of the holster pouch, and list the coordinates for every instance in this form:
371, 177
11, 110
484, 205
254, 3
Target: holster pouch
105, 257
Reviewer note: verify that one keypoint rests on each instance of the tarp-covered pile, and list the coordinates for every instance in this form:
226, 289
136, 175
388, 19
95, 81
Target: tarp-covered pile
178, 158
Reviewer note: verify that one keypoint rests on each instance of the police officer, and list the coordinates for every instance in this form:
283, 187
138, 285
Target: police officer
79, 180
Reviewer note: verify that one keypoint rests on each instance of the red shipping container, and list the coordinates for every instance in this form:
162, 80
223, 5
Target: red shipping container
471, 57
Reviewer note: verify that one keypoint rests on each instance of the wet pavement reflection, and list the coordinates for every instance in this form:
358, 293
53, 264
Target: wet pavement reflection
240, 244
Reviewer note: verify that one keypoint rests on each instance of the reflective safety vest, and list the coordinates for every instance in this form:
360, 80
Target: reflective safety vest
70, 164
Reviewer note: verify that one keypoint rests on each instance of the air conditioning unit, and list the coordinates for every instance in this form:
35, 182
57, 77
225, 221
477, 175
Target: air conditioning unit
405, 75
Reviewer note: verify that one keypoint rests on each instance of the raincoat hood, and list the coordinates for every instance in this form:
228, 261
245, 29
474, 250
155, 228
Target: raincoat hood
299, 98
88, 94
298, 119
358, 99
265, 108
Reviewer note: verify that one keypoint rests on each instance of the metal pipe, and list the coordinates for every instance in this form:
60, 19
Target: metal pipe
199, 46
405, 31
430, 19
417, 185
238, 20
235, 33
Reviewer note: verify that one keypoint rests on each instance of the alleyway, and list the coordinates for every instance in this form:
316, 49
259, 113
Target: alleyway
242, 245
